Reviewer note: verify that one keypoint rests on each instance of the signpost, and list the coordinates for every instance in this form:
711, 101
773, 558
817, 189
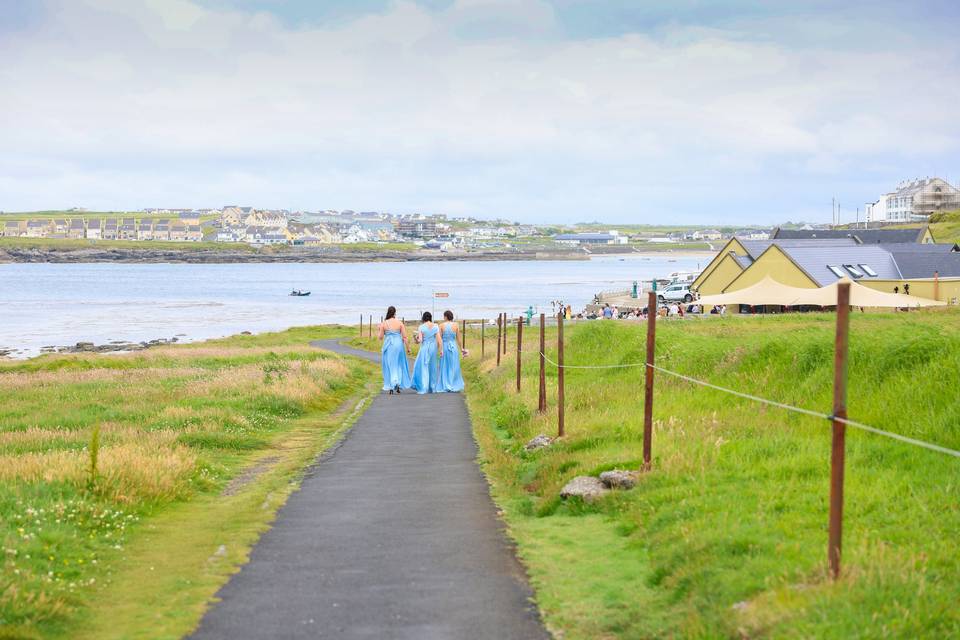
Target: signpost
438, 294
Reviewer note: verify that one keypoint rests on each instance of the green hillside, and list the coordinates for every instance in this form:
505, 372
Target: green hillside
726, 537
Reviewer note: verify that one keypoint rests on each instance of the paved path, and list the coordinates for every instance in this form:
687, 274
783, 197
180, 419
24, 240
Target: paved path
392, 535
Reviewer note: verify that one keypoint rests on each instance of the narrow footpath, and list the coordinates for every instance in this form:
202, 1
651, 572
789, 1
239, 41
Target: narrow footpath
392, 535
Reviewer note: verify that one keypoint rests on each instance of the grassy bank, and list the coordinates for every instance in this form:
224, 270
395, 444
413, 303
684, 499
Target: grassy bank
726, 537
197, 447
68, 244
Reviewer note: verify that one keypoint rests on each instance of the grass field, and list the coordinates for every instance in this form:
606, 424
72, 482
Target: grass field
197, 446
726, 536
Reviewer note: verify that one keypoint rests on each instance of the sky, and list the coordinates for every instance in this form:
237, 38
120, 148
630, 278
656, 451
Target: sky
682, 111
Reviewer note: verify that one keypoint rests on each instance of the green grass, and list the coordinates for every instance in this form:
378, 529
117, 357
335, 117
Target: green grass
945, 227
726, 537
134, 554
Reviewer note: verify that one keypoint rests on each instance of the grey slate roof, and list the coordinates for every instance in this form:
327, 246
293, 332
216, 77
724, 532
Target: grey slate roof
756, 247
815, 261
922, 264
863, 236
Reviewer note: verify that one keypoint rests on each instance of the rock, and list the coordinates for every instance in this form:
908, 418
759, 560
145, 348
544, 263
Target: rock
84, 346
620, 479
586, 487
245, 333
740, 606
538, 442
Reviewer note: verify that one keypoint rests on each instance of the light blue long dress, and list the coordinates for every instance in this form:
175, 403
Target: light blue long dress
393, 361
426, 369
451, 379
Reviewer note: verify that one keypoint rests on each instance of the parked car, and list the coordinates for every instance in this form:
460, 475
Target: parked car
676, 293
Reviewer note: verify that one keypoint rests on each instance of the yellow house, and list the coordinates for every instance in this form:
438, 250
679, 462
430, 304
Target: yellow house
926, 270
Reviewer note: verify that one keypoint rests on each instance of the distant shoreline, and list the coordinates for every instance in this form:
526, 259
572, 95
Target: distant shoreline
187, 255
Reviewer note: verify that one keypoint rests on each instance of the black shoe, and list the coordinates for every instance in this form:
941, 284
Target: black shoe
391, 391
398, 389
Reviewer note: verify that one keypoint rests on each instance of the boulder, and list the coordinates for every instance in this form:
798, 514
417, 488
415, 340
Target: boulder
538, 442
586, 487
619, 479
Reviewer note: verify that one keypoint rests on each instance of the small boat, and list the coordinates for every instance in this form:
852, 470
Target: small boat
298, 293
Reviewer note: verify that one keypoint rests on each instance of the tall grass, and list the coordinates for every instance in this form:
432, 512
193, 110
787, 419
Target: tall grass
91, 444
726, 536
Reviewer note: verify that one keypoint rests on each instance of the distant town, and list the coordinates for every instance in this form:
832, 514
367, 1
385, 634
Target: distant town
913, 201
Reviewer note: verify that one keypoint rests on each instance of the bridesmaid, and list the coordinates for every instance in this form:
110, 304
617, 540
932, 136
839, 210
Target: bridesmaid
426, 370
450, 377
393, 355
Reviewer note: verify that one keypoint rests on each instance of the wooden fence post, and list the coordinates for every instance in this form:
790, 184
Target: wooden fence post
483, 342
560, 375
506, 325
370, 330
838, 447
463, 326
499, 332
361, 325
542, 403
648, 390
519, 348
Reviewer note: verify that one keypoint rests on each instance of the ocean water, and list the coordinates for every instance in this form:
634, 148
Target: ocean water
61, 304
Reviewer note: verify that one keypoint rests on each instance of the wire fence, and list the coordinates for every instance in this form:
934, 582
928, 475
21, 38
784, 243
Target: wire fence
773, 403
838, 418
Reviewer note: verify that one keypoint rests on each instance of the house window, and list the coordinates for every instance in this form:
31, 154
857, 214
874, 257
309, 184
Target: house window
867, 269
856, 273
837, 271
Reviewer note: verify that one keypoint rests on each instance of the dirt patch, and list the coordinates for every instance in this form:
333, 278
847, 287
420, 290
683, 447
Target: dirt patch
248, 475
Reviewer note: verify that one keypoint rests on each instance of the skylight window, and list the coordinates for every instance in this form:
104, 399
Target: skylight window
837, 271
867, 269
856, 273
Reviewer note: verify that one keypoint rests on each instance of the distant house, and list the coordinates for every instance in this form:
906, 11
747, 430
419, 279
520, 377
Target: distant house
190, 218
94, 229
706, 234
37, 229
161, 230
14, 228
178, 232
590, 238
194, 233
228, 235
266, 219
127, 232
231, 217
59, 227
145, 230
76, 231
111, 229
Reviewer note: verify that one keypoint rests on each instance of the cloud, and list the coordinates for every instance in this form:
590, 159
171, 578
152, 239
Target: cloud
484, 107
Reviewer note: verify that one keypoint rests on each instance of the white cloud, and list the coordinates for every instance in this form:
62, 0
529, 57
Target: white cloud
481, 107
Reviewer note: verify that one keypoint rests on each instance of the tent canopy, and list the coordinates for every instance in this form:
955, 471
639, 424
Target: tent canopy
769, 291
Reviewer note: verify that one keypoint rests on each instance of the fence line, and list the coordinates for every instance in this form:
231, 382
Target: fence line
773, 403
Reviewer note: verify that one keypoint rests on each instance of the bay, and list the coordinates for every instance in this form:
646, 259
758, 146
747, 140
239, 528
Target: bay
61, 304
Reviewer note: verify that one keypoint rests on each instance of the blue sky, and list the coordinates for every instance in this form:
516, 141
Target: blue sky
563, 110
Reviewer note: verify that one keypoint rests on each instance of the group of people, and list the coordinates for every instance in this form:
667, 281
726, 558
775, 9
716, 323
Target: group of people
437, 367
664, 310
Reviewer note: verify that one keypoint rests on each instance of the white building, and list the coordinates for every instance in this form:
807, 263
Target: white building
914, 201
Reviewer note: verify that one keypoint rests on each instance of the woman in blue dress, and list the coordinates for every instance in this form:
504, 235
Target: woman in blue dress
451, 379
426, 369
393, 355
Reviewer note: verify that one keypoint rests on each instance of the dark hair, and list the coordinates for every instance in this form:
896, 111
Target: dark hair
448, 314
427, 316
391, 312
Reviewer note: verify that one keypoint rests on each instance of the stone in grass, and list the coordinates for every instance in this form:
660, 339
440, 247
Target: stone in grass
586, 487
538, 442
619, 479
